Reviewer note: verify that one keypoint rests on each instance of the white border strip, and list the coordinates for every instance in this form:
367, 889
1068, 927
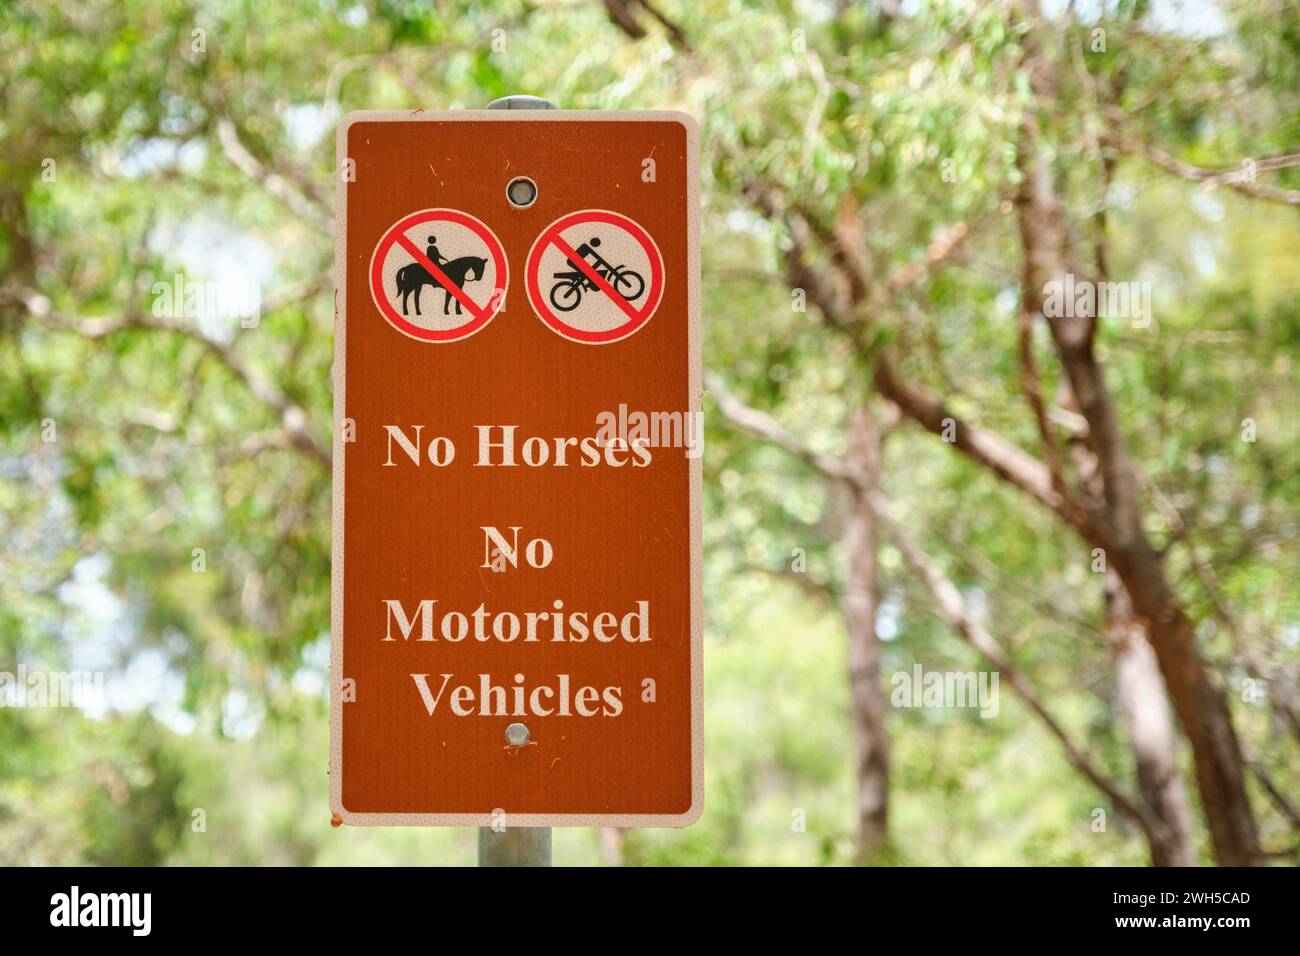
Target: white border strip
340, 404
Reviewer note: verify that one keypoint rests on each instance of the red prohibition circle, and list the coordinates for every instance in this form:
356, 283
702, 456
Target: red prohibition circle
636, 318
480, 316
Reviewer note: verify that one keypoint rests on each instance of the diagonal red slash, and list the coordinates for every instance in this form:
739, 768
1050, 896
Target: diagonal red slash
572, 255
441, 276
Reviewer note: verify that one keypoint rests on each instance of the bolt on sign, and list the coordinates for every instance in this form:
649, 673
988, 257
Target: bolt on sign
516, 580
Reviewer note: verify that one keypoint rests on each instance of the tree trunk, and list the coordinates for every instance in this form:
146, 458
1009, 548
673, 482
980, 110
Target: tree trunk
1143, 698
1150, 724
612, 844
1202, 710
1115, 521
860, 602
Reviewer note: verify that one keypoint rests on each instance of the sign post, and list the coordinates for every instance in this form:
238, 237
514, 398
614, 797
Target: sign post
516, 633
516, 846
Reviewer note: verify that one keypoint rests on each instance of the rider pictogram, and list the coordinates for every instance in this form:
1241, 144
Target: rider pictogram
594, 276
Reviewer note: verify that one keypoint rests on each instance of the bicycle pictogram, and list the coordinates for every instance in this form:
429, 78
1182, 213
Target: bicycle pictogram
566, 294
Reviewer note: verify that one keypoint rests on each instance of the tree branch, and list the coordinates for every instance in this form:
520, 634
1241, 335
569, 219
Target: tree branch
622, 16
1005, 459
764, 426
292, 416
952, 607
836, 306
299, 200
954, 612
1237, 179
940, 250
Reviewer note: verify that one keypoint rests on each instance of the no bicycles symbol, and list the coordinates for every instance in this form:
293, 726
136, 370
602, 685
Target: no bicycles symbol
439, 275
594, 276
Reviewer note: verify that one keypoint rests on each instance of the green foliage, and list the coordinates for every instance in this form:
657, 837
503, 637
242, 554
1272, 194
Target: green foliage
163, 447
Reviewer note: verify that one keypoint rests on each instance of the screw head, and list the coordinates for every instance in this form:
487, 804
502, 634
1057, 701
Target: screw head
517, 735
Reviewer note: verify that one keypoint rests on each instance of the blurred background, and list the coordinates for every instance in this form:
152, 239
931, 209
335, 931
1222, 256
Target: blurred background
907, 465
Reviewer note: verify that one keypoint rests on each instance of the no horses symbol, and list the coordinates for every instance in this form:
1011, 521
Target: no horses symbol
439, 275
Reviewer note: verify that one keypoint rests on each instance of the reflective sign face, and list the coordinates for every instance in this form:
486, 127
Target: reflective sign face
516, 622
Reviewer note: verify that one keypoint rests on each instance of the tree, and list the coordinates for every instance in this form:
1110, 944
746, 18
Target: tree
1105, 511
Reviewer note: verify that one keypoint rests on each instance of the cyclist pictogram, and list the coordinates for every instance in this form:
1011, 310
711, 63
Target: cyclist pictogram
595, 276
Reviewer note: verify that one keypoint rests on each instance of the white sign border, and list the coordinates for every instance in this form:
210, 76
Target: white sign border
695, 392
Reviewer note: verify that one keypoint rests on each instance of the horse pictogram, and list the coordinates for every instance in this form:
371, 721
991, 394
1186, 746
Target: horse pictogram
415, 277
461, 257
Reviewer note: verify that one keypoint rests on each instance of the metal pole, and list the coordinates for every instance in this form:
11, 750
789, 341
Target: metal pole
520, 101
516, 846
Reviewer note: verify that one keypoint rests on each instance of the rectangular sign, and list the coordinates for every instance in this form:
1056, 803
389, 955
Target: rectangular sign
516, 629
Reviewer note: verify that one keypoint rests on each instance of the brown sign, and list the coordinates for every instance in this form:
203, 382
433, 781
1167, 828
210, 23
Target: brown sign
516, 608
